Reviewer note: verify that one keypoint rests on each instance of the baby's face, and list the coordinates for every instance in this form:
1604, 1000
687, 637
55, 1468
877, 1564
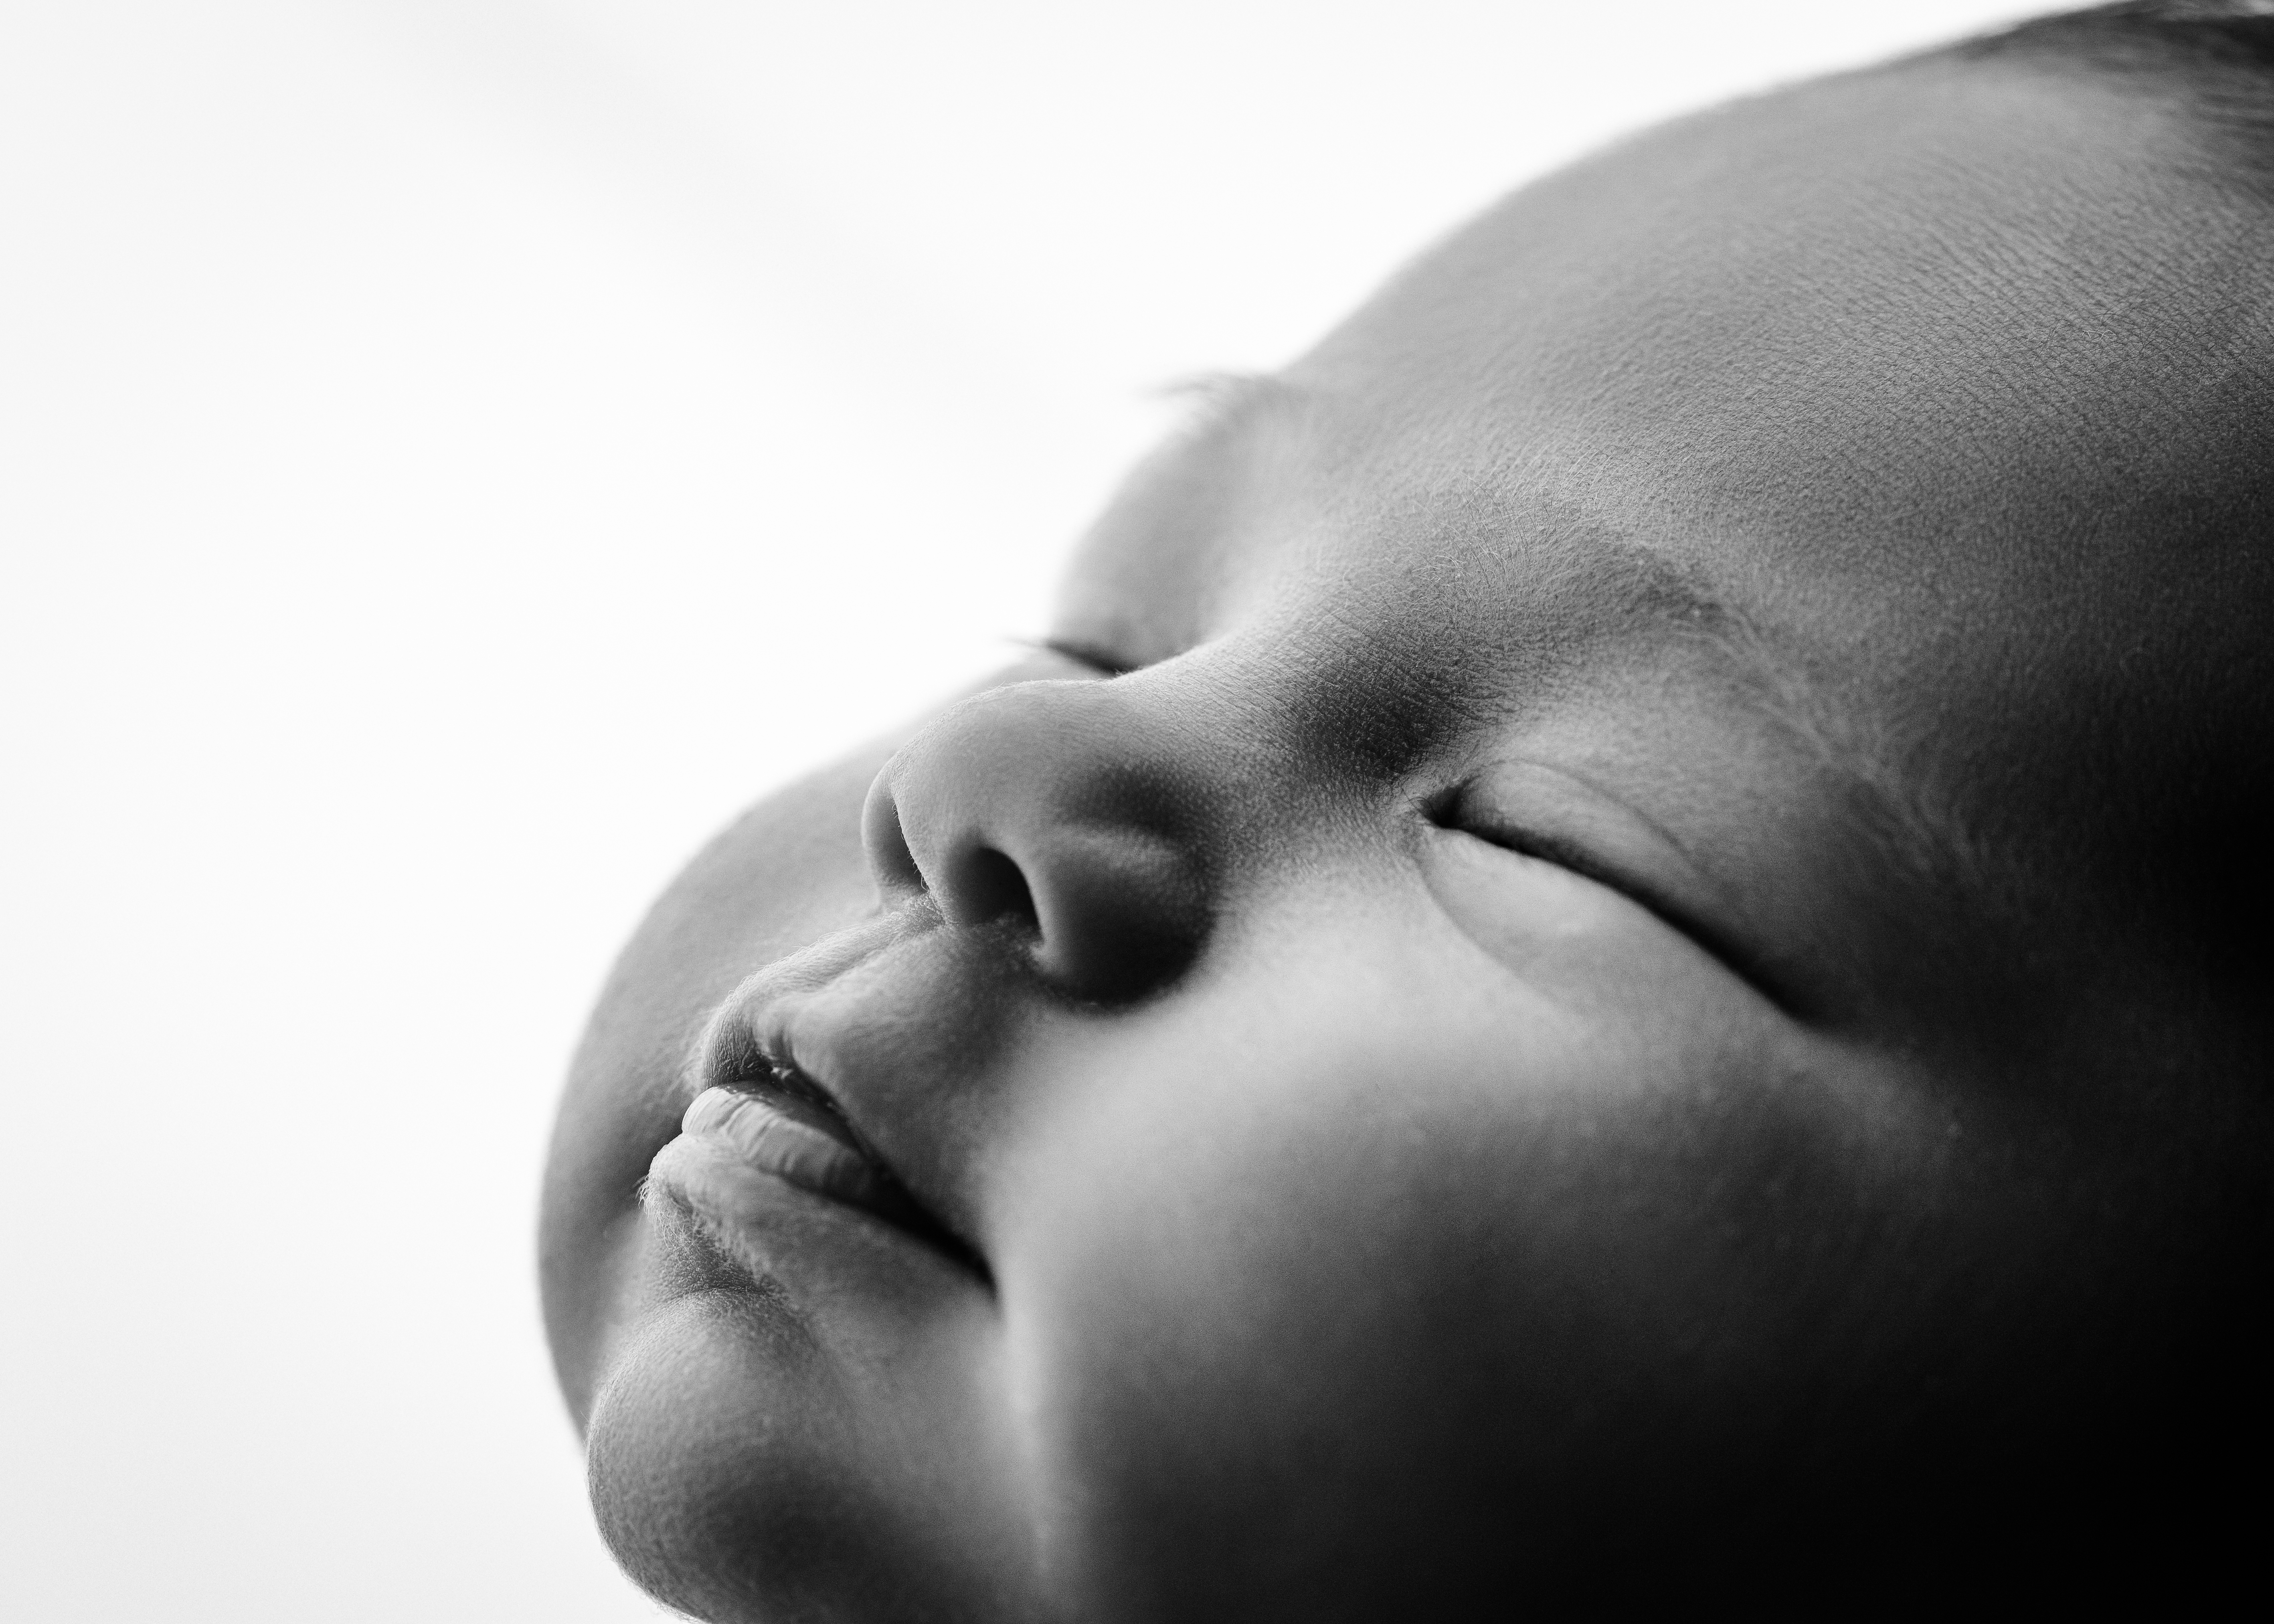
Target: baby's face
1499, 982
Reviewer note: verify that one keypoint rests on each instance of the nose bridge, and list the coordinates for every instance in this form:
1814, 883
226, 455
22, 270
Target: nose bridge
1074, 812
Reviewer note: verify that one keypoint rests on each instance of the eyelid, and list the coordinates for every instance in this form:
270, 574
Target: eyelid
1539, 812
1087, 654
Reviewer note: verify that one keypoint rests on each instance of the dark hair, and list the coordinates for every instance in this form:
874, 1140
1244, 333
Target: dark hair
2216, 57
2149, 34
2212, 61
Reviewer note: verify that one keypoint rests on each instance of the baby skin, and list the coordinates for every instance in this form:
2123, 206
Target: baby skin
1609, 952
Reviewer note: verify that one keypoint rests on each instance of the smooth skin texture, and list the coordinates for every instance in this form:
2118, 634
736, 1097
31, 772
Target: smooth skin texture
1579, 971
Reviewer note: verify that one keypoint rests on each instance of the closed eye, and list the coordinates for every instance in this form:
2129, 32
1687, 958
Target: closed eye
1586, 861
1100, 660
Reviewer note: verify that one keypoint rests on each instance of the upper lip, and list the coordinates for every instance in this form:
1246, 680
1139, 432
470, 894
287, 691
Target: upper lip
746, 1047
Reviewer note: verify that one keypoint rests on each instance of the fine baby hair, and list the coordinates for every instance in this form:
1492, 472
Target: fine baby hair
1614, 952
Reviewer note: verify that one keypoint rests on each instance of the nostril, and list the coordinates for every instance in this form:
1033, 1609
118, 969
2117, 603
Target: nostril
988, 886
890, 860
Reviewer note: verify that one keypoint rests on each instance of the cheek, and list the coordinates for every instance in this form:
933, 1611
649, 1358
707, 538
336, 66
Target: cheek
787, 872
1388, 1254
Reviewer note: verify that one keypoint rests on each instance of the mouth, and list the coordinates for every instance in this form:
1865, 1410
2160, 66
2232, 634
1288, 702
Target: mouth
758, 1111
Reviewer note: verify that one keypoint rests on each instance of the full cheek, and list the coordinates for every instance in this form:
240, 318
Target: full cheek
1232, 1291
1314, 1300
786, 872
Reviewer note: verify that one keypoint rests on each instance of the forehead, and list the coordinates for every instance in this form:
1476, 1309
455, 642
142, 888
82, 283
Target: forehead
1904, 341
1884, 406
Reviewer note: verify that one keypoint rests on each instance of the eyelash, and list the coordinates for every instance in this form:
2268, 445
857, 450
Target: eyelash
1082, 654
1745, 965
1444, 813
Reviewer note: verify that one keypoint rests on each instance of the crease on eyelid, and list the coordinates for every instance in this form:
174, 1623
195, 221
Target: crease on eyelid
1512, 800
1098, 659
1598, 836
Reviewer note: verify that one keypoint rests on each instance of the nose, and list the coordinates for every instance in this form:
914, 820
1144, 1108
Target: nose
1063, 810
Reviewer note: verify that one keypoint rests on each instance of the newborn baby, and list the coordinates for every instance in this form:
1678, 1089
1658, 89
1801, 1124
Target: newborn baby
1616, 948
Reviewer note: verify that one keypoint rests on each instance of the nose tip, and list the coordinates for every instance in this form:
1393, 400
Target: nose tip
1057, 811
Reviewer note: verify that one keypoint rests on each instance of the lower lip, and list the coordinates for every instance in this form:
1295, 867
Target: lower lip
780, 1141
779, 1229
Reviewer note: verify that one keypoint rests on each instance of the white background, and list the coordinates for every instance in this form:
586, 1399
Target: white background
451, 455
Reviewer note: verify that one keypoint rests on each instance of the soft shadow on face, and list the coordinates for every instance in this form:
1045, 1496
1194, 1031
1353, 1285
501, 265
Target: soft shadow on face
1505, 1006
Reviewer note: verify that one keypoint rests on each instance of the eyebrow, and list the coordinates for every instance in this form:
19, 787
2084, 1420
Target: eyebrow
1919, 833
1923, 836
1218, 402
